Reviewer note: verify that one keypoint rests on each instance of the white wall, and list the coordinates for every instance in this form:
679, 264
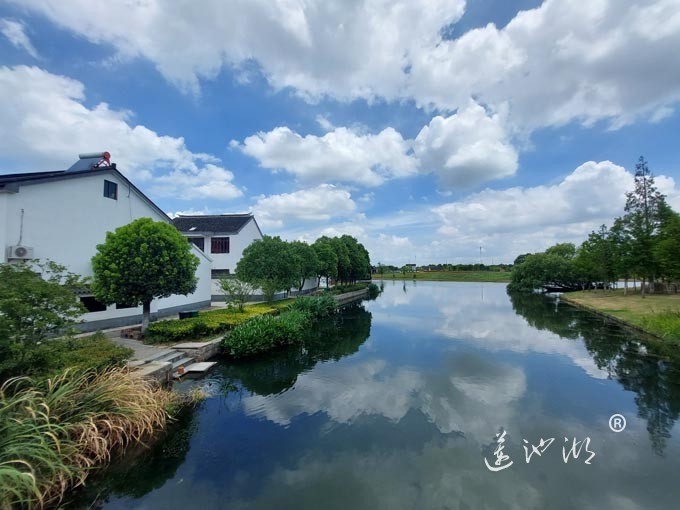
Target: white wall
237, 243
65, 220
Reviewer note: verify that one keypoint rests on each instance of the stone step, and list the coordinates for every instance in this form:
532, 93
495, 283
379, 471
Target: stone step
172, 356
159, 356
159, 370
196, 368
186, 361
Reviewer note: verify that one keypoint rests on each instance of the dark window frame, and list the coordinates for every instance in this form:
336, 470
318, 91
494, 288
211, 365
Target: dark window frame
216, 274
111, 189
220, 245
197, 241
92, 305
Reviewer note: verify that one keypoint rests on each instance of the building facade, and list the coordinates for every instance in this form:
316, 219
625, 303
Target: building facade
223, 238
62, 216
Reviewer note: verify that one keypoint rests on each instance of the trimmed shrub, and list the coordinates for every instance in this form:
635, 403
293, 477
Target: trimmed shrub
317, 306
266, 332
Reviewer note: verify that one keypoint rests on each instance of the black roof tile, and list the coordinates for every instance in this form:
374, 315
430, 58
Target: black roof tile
221, 223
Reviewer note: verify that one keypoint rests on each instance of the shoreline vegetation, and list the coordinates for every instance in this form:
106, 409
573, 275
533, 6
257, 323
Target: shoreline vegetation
657, 315
448, 276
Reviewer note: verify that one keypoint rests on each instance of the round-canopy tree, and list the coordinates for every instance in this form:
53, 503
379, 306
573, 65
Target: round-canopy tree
269, 264
142, 261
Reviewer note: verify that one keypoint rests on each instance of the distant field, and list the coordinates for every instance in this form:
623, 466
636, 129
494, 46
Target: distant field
659, 314
449, 276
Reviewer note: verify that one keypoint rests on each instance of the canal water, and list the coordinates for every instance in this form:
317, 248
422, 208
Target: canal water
424, 398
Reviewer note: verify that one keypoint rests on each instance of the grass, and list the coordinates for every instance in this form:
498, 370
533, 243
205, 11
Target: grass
657, 314
450, 276
54, 432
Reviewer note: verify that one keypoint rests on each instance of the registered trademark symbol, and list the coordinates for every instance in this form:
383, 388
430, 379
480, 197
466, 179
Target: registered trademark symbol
617, 422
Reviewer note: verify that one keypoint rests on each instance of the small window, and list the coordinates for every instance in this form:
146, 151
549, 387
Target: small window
111, 190
216, 274
92, 305
121, 306
219, 245
199, 242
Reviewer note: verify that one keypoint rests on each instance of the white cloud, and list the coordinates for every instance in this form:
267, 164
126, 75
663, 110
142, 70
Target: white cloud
593, 194
560, 62
341, 155
210, 181
359, 49
16, 34
314, 204
462, 150
563, 61
466, 148
45, 125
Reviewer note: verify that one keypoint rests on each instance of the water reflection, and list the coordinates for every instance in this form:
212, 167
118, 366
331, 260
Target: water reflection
394, 406
640, 368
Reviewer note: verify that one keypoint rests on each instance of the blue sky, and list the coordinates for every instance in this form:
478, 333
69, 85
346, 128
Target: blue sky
425, 128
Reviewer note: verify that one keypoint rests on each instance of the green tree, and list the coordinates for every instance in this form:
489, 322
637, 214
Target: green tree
359, 263
36, 301
547, 269
236, 291
268, 264
667, 247
142, 261
644, 212
344, 262
596, 258
306, 262
328, 260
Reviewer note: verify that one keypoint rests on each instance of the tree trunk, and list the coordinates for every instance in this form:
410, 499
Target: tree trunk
642, 287
625, 286
146, 315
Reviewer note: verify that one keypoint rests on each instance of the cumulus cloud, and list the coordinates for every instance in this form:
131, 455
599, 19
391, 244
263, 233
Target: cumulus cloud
314, 204
45, 125
563, 61
311, 47
466, 148
593, 194
342, 155
560, 62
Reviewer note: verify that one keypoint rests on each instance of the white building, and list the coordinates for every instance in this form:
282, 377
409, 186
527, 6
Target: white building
63, 215
222, 237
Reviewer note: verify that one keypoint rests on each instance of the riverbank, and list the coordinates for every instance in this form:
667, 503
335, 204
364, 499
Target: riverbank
449, 276
657, 315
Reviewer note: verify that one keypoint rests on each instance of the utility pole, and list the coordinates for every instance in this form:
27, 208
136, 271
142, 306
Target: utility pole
480, 256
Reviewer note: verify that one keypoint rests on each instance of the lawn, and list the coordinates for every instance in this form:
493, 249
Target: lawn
658, 314
449, 276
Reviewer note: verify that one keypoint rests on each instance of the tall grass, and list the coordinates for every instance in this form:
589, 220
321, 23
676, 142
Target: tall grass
53, 433
665, 324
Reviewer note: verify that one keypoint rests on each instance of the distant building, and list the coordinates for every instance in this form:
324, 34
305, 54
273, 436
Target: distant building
223, 237
63, 216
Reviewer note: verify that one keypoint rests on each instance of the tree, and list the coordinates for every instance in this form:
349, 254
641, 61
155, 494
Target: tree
306, 262
667, 248
359, 264
344, 262
328, 260
142, 261
554, 268
236, 291
36, 301
596, 258
644, 212
268, 264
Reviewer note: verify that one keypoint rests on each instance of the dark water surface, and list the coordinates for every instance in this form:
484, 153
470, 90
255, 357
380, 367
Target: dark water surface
397, 405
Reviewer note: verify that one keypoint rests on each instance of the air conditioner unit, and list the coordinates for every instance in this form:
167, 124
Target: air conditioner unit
19, 252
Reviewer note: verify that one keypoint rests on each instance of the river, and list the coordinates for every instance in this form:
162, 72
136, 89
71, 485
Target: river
424, 398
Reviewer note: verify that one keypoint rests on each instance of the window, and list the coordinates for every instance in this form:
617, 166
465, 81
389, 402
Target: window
111, 190
92, 305
199, 242
121, 306
219, 245
216, 274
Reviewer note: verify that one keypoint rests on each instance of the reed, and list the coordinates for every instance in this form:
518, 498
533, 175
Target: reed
54, 433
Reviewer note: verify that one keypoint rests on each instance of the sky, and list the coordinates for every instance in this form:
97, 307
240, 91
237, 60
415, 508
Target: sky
425, 128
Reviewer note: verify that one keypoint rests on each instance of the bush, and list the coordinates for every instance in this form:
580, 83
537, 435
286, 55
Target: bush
318, 306
51, 356
210, 323
266, 332
373, 291
52, 434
